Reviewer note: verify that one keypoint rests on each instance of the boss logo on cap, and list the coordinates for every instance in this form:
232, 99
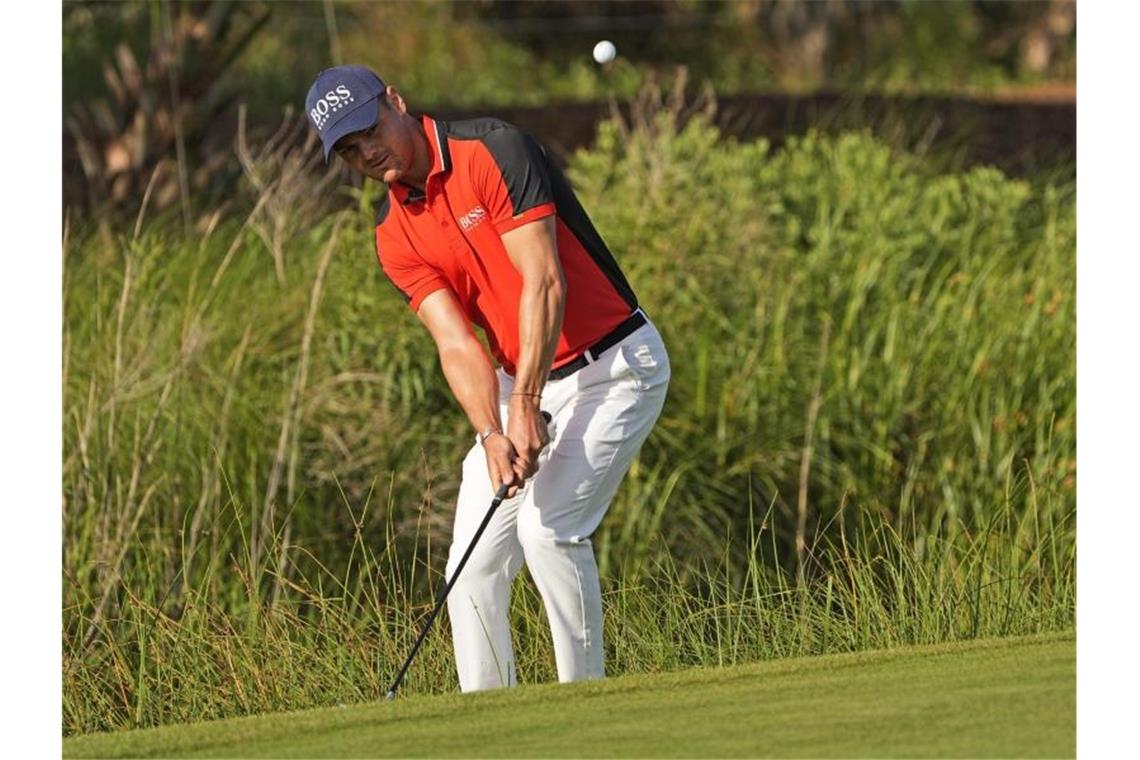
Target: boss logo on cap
330, 103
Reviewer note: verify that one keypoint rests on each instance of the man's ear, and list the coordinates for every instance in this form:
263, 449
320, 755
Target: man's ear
395, 99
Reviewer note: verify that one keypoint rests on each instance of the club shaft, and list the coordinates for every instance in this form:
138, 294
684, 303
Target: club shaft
499, 496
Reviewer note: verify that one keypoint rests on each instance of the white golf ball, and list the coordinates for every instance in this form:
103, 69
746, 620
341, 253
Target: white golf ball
604, 51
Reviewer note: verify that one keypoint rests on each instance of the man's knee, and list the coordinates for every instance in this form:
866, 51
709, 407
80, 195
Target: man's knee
537, 537
484, 566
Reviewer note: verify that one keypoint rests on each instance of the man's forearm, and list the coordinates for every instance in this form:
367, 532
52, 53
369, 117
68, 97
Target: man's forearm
473, 382
541, 308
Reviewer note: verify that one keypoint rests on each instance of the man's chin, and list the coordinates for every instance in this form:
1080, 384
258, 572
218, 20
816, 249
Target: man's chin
387, 176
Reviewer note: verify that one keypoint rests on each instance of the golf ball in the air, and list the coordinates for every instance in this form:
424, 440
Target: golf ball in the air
604, 51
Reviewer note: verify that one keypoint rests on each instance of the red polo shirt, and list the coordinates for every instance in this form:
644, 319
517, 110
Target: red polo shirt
486, 178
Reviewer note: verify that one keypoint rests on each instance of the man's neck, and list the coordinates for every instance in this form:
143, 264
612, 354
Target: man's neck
417, 177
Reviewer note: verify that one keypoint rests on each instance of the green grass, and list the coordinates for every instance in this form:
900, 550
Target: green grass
992, 698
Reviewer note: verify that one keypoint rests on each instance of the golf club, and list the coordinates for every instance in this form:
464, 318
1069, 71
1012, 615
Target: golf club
499, 496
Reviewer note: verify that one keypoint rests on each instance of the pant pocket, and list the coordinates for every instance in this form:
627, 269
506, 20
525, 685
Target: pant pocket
647, 361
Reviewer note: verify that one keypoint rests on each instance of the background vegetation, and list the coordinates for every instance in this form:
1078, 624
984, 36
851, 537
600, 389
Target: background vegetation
869, 437
870, 434
498, 52
154, 92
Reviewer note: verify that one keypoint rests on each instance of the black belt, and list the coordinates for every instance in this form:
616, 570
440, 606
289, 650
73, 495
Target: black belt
591, 354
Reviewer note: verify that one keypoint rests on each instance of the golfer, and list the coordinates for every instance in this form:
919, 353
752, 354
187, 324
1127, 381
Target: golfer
480, 228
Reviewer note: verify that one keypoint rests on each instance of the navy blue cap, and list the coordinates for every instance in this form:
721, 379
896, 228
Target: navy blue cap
342, 100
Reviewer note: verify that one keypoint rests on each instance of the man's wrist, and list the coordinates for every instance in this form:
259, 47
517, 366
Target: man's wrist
489, 431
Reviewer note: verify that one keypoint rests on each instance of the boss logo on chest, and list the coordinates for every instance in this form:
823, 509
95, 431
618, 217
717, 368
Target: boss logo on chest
472, 218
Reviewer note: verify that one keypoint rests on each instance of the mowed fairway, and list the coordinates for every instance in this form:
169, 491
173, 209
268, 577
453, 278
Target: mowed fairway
995, 698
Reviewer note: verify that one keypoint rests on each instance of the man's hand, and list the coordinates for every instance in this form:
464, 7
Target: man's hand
501, 458
528, 434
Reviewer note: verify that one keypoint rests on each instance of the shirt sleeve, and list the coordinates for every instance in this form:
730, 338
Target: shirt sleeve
412, 276
513, 179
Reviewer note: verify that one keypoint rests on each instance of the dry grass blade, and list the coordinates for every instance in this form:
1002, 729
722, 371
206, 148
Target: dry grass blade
286, 455
805, 456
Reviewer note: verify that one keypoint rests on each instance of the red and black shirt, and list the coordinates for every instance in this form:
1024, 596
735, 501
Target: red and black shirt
488, 177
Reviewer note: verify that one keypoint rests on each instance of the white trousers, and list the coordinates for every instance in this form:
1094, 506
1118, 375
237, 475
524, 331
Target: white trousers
601, 415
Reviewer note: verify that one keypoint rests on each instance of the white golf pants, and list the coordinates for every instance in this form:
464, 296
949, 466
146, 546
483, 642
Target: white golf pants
601, 415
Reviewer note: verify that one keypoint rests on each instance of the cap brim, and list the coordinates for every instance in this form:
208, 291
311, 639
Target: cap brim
361, 117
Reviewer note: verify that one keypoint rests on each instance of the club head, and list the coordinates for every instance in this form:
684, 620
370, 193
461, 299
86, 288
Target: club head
391, 695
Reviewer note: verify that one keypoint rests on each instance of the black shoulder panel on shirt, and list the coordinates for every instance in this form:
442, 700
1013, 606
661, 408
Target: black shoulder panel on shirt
475, 129
382, 209
522, 162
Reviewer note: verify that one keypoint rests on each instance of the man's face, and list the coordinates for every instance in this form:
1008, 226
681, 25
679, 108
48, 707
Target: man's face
386, 151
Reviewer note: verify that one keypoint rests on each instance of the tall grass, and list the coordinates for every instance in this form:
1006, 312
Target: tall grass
339, 637
869, 437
